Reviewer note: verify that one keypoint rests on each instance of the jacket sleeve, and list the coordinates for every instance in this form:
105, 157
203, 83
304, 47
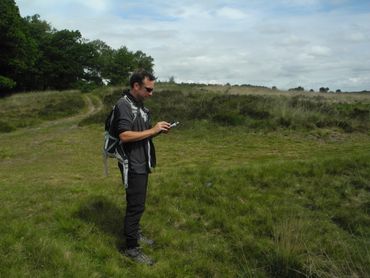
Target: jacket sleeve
124, 117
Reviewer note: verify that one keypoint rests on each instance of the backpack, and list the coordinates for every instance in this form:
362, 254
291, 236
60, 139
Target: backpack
112, 146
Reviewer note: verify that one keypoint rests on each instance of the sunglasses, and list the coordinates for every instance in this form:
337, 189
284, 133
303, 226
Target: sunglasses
148, 89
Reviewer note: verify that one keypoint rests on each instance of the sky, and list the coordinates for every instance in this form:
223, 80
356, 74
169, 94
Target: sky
282, 43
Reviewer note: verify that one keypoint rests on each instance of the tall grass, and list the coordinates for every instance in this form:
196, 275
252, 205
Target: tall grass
266, 112
30, 109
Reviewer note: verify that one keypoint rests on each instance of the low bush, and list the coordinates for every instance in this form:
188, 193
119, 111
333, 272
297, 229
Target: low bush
29, 109
61, 108
265, 112
5, 127
99, 117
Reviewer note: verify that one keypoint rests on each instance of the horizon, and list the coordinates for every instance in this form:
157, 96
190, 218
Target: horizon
285, 43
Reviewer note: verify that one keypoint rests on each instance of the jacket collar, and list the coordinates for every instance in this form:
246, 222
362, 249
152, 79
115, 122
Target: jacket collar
132, 98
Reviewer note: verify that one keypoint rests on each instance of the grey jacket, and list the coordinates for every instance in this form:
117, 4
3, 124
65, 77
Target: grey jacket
131, 115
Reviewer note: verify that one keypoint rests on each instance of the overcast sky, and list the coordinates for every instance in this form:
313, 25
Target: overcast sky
283, 43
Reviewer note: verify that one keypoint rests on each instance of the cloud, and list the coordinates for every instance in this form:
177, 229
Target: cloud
231, 13
285, 43
192, 12
319, 51
96, 5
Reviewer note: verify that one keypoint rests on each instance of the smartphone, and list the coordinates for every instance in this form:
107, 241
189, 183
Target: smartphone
174, 124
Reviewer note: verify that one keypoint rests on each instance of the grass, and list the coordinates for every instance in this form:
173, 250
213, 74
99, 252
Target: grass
254, 111
225, 201
30, 109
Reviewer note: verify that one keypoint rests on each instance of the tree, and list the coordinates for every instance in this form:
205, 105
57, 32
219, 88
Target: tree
124, 62
102, 58
16, 48
114, 65
171, 79
6, 83
142, 61
40, 32
299, 88
324, 90
65, 57
121, 66
33, 55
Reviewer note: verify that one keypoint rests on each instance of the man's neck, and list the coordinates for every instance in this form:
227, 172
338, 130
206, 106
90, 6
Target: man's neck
134, 96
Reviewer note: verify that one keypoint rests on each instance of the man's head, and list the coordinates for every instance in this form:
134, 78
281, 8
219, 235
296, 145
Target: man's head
142, 84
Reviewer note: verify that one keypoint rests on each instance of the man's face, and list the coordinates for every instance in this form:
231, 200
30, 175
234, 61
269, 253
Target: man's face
145, 90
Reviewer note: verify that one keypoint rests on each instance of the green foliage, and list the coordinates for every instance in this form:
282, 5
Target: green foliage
35, 56
171, 80
86, 87
298, 89
62, 107
124, 62
99, 117
260, 112
17, 50
65, 58
5, 127
6, 83
323, 90
26, 110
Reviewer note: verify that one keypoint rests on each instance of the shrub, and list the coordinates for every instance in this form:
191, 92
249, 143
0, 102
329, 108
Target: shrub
252, 111
284, 122
345, 125
228, 118
86, 87
61, 108
95, 118
5, 127
360, 113
299, 89
255, 114
6, 83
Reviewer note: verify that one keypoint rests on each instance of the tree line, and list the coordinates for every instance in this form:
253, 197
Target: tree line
36, 56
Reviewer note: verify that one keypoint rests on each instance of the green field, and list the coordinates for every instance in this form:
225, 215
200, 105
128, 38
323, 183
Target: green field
252, 184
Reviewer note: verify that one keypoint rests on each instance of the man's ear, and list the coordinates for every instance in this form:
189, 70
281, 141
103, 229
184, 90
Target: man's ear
137, 85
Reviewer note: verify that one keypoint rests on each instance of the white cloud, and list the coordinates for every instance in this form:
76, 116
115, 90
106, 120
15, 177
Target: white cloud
294, 41
96, 5
301, 2
231, 13
191, 12
318, 50
357, 37
229, 41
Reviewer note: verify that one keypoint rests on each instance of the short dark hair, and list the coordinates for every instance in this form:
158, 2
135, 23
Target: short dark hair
139, 76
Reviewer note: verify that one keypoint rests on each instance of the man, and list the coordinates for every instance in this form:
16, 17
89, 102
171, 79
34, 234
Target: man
135, 132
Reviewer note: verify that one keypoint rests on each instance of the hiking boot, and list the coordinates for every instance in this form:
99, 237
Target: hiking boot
145, 240
138, 256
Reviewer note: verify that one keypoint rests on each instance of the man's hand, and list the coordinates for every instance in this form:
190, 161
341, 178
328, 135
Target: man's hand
162, 127
134, 136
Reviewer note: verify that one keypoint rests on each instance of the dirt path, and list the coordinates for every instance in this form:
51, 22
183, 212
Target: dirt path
75, 119
93, 104
92, 109
48, 131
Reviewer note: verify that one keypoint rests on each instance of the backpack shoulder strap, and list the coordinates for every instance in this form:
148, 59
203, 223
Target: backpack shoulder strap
133, 107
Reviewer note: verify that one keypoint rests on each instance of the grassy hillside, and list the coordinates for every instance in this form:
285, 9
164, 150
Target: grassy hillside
253, 109
227, 200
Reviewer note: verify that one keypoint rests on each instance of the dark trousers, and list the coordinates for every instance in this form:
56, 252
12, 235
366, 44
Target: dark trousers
135, 206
